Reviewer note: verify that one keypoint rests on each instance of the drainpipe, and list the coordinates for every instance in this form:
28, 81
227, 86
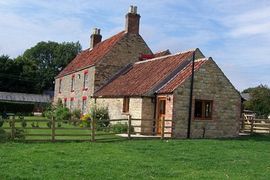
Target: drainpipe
190, 96
154, 128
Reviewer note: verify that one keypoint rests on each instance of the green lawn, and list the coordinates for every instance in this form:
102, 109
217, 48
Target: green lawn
243, 158
64, 130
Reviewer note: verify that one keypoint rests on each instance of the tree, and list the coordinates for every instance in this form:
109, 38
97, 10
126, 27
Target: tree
34, 71
50, 58
17, 75
259, 101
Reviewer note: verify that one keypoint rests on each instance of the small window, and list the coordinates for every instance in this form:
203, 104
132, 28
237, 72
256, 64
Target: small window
71, 104
60, 85
72, 82
85, 80
84, 104
126, 105
203, 109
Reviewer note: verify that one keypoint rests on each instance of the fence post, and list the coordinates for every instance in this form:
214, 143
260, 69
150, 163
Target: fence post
93, 129
243, 123
162, 127
13, 129
129, 126
53, 129
252, 126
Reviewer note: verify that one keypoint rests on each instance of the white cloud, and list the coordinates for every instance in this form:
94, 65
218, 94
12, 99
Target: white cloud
235, 33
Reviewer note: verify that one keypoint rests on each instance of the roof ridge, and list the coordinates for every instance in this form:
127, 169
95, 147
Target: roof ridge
202, 59
162, 57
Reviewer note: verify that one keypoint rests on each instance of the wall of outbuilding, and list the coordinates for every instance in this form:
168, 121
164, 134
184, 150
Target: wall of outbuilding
209, 84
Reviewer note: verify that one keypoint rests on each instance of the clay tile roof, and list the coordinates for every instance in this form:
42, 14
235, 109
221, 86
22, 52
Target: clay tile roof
162, 53
140, 78
90, 57
181, 77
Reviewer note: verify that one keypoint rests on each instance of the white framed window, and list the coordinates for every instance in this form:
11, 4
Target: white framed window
71, 105
60, 86
72, 82
125, 105
84, 104
85, 80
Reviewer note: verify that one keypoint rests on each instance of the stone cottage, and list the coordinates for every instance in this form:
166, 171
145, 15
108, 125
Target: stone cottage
124, 75
76, 83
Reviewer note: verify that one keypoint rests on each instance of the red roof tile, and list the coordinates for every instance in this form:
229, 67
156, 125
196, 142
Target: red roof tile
90, 57
142, 77
181, 77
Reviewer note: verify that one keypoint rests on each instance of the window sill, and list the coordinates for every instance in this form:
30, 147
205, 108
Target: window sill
125, 113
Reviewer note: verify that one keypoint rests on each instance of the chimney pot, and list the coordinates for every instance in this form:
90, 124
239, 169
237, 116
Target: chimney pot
132, 20
133, 9
95, 38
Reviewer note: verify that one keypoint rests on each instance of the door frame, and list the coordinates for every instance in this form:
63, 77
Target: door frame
158, 114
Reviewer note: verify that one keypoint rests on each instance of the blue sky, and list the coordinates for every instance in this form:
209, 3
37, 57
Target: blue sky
236, 33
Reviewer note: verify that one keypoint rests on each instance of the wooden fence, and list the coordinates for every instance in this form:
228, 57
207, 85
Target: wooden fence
90, 133
253, 125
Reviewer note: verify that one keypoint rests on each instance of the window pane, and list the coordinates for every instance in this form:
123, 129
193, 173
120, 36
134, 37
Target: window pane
198, 109
162, 104
60, 84
84, 106
71, 105
126, 104
208, 108
85, 81
72, 83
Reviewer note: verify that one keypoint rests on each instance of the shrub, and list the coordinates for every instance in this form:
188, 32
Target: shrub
120, 128
101, 115
75, 116
58, 111
3, 135
49, 124
86, 120
62, 113
1, 121
19, 134
23, 123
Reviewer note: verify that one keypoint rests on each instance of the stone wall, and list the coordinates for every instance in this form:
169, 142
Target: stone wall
209, 84
148, 115
126, 51
139, 108
78, 92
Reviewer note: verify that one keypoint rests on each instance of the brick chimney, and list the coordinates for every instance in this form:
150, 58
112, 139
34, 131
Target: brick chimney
132, 20
95, 38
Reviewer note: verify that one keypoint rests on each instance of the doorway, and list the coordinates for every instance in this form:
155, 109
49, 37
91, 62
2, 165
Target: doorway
161, 111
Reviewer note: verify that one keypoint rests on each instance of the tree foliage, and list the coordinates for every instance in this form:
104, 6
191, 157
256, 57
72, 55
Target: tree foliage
34, 71
259, 101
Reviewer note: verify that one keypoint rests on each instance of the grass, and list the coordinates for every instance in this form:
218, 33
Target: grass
243, 158
77, 130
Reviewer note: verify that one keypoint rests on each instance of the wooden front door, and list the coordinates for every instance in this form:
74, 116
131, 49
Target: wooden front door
161, 110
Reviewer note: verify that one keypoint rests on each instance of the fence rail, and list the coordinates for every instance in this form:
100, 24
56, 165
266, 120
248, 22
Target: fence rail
252, 125
52, 132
